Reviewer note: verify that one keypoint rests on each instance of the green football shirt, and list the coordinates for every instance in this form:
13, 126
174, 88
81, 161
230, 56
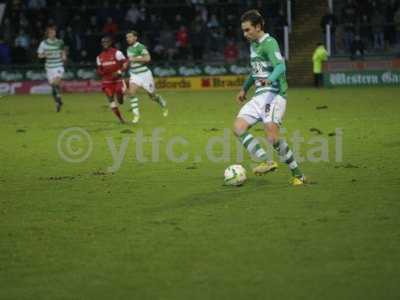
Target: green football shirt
265, 55
136, 50
53, 49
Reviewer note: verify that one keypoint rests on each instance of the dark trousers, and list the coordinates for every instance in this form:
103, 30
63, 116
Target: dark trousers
318, 80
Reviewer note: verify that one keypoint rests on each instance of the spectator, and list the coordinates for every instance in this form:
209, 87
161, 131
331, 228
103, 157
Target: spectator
202, 11
38, 30
148, 26
155, 22
220, 16
159, 52
364, 29
357, 48
231, 26
93, 24
213, 22
349, 20
378, 23
167, 40
214, 41
320, 55
198, 38
142, 21
5, 52
231, 52
23, 22
178, 23
330, 19
132, 16
110, 27
349, 31
22, 40
69, 36
182, 42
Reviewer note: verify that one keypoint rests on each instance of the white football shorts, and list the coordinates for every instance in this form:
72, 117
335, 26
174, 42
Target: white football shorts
54, 73
266, 107
144, 80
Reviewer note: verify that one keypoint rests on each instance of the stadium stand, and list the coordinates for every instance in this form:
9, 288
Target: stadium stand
209, 27
374, 23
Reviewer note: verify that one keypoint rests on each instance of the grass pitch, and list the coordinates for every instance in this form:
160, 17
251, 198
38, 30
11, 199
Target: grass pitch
162, 229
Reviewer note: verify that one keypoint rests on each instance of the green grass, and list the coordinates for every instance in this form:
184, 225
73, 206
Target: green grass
166, 230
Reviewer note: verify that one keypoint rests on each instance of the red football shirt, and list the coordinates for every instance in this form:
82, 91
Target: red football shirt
110, 61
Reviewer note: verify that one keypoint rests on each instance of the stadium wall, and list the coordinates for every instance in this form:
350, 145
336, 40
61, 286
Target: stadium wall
32, 80
90, 85
339, 73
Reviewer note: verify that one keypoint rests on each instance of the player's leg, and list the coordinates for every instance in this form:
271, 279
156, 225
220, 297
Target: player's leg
119, 95
247, 117
115, 109
120, 98
320, 80
120, 89
316, 80
56, 90
150, 87
110, 91
134, 100
54, 77
272, 121
160, 100
125, 84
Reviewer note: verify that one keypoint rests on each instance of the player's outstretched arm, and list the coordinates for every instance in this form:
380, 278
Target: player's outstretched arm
40, 51
123, 61
99, 69
241, 96
248, 83
64, 56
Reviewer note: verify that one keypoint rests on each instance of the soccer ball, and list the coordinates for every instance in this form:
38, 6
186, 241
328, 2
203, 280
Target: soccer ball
235, 175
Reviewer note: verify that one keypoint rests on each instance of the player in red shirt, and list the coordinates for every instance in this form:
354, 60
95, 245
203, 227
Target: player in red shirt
110, 65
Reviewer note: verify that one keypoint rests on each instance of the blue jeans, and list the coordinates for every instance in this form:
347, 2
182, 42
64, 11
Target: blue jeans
379, 42
348, 39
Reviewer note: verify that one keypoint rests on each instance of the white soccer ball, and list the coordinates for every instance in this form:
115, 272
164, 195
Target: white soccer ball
235, 175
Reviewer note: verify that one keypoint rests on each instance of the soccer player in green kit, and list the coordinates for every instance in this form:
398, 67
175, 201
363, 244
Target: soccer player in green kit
52, 50
141, 76
269, 101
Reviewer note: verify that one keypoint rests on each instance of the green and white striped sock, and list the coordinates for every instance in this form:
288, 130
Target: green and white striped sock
253, 146
160, 100
135, 105
286, 155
